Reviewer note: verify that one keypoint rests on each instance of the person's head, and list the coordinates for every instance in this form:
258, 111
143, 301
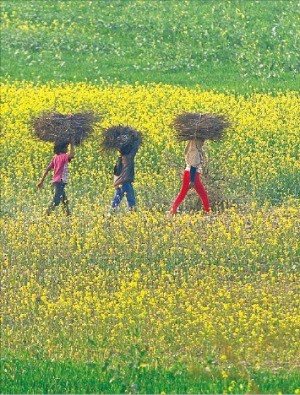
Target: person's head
61, 148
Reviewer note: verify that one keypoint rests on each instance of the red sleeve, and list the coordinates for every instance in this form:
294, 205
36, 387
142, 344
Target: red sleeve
51, 164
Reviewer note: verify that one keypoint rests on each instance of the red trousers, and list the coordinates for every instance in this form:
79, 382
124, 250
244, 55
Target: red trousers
184, 190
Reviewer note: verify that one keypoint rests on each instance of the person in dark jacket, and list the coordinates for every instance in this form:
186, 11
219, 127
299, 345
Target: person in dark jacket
124, 173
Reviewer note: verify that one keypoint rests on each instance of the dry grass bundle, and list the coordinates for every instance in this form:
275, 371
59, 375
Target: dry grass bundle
117, 137
59, 128
189, 126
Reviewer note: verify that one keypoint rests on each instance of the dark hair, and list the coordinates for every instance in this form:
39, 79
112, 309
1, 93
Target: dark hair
60, 148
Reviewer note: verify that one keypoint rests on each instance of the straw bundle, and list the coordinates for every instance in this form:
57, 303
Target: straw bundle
189, 126
59, 128
117, 137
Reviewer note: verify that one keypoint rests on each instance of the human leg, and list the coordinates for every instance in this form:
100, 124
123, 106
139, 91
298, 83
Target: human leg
58, 192
202, 193
65, 200
130, 195
59, 196
183, 191
56, 198
117, 197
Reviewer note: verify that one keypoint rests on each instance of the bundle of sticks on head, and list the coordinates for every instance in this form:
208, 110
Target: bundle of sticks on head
118, 137
60, 128
190, 126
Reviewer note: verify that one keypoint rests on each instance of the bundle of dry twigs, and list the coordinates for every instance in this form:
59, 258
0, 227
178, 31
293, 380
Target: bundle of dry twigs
117, 137
59, 128
189, 126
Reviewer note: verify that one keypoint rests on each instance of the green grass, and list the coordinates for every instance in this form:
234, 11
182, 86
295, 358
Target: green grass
237, 45
43, 376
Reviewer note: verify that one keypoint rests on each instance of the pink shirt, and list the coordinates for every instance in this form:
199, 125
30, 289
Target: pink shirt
59, 164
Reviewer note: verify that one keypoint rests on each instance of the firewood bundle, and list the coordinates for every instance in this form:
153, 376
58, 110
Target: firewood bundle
60, 128
190, 126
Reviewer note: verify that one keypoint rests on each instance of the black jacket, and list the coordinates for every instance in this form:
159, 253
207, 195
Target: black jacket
124, 169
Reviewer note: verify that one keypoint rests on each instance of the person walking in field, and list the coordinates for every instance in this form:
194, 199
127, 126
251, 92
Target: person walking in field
124, 172
191, 176
196, 128
60, 166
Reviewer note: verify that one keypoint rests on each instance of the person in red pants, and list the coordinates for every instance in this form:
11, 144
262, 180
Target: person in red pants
191, 176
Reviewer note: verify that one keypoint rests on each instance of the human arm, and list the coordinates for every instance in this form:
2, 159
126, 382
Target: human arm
40, 184
72, 150
135, 146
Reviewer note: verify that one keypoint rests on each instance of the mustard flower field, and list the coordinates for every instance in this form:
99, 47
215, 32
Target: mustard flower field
142, 302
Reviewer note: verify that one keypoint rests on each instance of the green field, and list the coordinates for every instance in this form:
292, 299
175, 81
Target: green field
236, 45
142, 302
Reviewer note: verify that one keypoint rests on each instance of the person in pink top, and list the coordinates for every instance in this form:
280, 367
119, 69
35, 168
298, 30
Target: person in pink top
59, 164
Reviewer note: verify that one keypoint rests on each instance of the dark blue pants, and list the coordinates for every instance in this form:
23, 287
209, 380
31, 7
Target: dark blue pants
59, 196
59, 193
125, 189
